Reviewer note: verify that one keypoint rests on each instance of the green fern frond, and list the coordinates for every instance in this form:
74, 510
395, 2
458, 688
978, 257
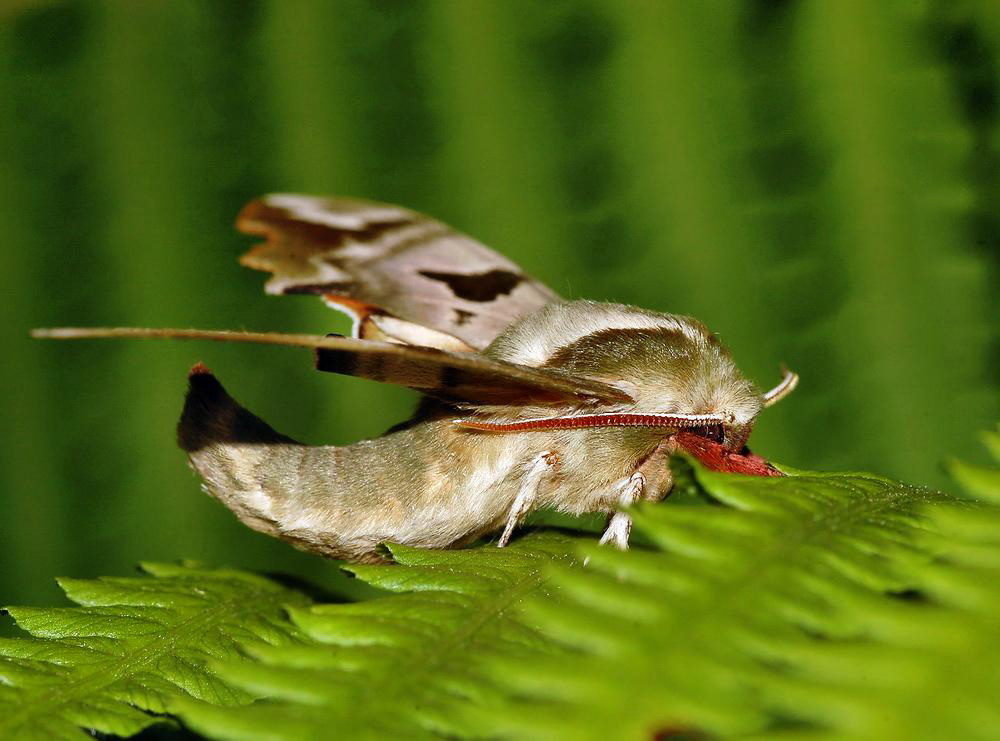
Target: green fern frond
396, 667
132, 647
843, 606
686, 635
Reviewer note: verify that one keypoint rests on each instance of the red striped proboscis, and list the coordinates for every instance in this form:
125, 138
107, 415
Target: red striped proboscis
595, 420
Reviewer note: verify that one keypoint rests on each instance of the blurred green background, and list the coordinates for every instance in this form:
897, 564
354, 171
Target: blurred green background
818, 181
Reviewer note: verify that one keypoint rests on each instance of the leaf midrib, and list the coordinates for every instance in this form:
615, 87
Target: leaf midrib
423, 664
117, 667
705, 617
830, 524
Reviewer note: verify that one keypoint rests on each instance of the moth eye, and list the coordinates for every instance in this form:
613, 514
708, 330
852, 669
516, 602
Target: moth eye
714, 433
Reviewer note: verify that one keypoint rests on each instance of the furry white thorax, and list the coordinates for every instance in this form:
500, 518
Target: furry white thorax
707, 381
534, 339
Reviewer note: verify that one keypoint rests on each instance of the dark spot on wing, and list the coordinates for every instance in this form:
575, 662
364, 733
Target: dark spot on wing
451, 377
339, 287
481, 287
462, 316
335, 361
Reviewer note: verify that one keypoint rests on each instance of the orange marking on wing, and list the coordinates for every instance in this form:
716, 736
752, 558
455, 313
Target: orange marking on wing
358, 309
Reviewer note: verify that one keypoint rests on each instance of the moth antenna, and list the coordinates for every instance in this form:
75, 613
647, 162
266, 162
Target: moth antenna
788, 383
582, 421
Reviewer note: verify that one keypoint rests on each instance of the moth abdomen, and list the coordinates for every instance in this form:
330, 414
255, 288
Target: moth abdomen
337, 501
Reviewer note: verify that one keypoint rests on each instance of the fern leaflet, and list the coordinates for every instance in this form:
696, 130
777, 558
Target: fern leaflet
132, 647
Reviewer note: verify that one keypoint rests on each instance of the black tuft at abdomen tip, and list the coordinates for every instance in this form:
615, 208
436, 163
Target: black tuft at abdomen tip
211, 415
199, 369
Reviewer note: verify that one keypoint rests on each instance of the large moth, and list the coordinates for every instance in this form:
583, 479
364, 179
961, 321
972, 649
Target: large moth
529, 400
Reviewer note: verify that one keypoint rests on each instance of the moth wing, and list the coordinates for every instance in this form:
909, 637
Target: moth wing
460, 376
414, 267
372, 322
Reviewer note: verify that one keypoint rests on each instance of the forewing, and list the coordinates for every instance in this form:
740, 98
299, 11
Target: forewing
461, 376
416, 268
453, 376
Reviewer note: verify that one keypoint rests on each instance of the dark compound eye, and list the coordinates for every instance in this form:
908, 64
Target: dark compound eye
709, 432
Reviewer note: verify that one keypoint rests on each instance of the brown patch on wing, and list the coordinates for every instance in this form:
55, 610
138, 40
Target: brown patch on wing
316, 289
292, 240
478, 287
414, 267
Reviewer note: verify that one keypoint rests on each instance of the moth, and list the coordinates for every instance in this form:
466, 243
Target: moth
529, 400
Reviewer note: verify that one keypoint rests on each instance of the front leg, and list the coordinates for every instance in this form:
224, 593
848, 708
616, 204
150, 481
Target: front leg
620, 524
652, 480
527, 493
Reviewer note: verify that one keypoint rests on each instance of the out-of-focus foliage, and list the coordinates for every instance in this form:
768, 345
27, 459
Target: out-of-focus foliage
817, 181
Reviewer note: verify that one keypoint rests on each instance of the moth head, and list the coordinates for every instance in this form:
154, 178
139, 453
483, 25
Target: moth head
678, 373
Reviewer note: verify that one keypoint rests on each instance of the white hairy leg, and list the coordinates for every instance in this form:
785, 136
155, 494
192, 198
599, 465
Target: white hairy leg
527, 493
620, 524
652, 481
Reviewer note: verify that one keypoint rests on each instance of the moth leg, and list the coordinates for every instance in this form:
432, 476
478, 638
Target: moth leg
652, 481
527, 493
620, 524
659, 479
